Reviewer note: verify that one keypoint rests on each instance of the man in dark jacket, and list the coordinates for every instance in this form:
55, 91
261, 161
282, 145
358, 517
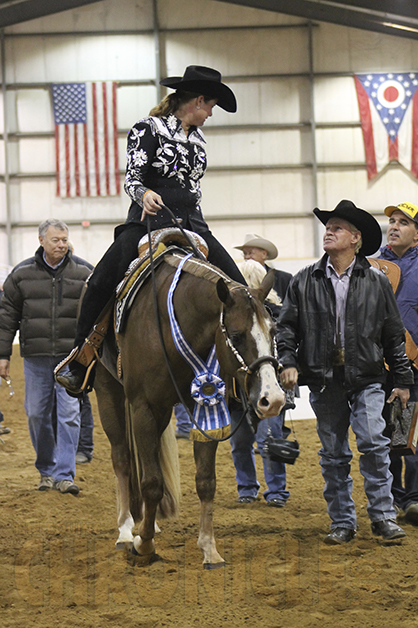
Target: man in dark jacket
40, 300
338, 324
402, 249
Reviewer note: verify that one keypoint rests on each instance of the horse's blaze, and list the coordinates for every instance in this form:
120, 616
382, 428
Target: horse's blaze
271, 397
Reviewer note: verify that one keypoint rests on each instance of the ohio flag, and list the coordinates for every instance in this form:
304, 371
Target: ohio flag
388, 104
86, 139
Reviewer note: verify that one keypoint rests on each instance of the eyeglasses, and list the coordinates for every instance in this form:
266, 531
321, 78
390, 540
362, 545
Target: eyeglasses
9, 384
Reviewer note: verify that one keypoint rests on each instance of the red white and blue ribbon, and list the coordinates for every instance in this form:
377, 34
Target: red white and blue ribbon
207, 388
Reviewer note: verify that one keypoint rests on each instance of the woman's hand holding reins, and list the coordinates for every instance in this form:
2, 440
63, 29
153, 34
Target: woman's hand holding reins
152, 203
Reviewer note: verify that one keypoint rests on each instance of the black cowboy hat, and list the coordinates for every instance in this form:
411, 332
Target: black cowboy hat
205, 81
371, 233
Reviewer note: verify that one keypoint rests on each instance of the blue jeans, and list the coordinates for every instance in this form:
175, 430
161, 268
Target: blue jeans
183, 423
85, 442
243, 456
55, 456
336, 410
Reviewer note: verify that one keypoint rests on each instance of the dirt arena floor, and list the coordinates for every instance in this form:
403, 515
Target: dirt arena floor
59, 568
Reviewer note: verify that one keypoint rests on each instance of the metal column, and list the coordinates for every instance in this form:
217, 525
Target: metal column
317, 230
6, 150
157, 50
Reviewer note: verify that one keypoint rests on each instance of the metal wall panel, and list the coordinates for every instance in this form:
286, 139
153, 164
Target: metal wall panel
263, 160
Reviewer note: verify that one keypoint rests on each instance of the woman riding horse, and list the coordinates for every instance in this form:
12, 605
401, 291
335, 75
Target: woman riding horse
166, 159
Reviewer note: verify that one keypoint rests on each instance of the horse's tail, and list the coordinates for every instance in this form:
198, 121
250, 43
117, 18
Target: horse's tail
170, 468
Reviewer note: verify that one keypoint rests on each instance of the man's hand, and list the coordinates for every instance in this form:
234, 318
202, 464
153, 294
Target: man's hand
402, 393
4, 368
289, 378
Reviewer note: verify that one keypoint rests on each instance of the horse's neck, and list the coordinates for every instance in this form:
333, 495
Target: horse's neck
200, 312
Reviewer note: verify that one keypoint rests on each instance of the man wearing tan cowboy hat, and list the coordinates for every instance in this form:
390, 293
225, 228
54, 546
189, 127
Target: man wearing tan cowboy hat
256, 251
260, 249
402, 249
338, 325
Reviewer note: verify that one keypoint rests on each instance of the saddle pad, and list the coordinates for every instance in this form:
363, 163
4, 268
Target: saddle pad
130, 286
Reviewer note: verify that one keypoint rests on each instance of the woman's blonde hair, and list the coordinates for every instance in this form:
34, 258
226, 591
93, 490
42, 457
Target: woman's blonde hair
172, 103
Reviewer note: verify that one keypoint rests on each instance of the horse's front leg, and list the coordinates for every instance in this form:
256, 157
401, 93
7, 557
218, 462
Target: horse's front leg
205, 456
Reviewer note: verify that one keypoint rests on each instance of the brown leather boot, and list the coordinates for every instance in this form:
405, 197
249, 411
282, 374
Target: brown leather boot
75, 380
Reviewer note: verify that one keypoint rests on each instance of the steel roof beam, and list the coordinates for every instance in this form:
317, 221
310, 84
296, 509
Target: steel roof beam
15, 11
337, 13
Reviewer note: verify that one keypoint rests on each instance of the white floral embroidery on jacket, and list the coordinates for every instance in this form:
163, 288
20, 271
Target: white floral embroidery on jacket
158, 148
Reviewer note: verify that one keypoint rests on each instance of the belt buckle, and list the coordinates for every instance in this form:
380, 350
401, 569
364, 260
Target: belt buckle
339, 357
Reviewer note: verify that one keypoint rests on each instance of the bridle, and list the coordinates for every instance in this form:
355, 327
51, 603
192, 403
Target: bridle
255, 366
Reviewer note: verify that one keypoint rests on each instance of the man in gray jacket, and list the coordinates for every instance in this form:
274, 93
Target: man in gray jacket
40, 300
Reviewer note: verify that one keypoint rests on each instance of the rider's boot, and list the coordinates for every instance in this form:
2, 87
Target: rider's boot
82, 359
75, 380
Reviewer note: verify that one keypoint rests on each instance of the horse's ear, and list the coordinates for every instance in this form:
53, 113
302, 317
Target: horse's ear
266, 285
223, 292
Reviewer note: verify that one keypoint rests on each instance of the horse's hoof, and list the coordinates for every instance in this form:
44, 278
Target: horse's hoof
121, 545
213, 565
145, 549
139, 560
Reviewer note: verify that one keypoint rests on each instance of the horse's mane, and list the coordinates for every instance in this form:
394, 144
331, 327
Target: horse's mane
200, 268
205, 270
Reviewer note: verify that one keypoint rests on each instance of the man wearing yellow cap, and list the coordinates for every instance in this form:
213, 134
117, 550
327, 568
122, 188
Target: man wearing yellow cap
402, 249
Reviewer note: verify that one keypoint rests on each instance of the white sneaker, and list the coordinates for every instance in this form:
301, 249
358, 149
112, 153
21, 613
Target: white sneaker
66, 486
81, 458
46, 482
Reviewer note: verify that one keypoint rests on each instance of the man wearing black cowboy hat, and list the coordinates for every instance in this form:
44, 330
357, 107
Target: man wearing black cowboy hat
338, 324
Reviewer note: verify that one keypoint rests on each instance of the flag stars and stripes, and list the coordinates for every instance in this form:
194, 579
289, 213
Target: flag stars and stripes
86, 141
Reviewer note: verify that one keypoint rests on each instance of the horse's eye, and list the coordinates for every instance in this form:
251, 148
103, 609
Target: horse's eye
236, 337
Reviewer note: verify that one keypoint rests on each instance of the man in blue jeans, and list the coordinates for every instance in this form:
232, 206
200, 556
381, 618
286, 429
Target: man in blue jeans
402, 250
258, 250
244, 461
338, 326
40, 300
85, 441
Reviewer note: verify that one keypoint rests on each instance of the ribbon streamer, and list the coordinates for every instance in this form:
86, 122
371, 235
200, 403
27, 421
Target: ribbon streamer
207, 388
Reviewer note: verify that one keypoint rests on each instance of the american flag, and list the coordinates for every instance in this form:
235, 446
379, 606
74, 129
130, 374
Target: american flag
388, 104
86, 140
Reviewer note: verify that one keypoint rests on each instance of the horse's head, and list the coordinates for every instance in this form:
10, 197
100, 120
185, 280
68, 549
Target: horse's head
245, 345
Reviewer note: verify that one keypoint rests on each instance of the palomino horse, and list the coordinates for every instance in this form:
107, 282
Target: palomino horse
144, 451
